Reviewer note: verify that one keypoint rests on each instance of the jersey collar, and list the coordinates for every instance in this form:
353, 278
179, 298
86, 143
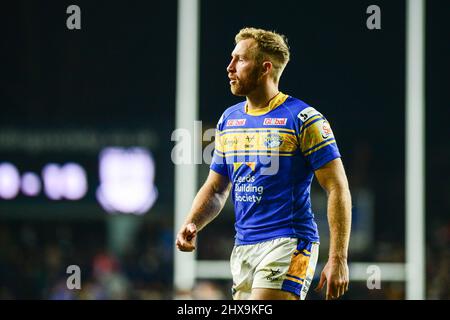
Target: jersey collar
275, 102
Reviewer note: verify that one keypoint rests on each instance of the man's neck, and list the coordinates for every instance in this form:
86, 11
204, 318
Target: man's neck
260, 99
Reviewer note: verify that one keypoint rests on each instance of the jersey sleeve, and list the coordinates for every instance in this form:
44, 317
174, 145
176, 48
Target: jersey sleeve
316, 139
218, 163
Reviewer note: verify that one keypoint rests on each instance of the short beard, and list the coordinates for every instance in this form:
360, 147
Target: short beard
250, 84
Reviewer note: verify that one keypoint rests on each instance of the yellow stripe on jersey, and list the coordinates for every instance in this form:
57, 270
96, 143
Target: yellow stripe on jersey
320, 147
272, 141
251, 130
261, 153
317, 116
220, 154
315, 135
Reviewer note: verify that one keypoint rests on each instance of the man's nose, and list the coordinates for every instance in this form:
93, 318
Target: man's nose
230, 67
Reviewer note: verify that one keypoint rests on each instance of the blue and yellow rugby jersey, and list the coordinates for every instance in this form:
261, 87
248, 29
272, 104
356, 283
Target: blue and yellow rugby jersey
270, 157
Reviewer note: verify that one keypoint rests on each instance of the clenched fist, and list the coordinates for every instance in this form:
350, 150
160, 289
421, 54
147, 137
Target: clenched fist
186, 237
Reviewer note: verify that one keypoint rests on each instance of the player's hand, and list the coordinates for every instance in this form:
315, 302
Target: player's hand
186, 237
335, 274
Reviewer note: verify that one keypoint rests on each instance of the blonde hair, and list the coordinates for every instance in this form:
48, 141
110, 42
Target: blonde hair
271, 46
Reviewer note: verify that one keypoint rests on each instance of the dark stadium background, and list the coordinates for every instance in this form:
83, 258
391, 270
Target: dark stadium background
117, 75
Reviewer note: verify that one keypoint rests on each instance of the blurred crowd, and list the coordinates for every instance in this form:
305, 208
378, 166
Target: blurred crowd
34, 257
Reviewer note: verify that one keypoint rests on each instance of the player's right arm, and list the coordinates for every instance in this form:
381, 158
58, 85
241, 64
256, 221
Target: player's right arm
207, 204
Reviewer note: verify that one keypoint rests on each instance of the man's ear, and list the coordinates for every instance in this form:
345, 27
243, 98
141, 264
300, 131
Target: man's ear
267, 67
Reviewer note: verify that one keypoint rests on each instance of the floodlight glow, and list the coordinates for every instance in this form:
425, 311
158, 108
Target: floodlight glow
75, 181
9, 181
31, 185
126, 180
67, 182
53, 185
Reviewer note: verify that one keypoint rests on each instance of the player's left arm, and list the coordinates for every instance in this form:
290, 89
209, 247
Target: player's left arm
332, 178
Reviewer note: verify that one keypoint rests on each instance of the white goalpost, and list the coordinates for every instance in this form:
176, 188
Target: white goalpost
415, 149
186, 115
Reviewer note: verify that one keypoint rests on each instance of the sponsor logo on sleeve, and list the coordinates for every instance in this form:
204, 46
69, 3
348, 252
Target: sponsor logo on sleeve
274, 121
236, 122
308, 113
325, 130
